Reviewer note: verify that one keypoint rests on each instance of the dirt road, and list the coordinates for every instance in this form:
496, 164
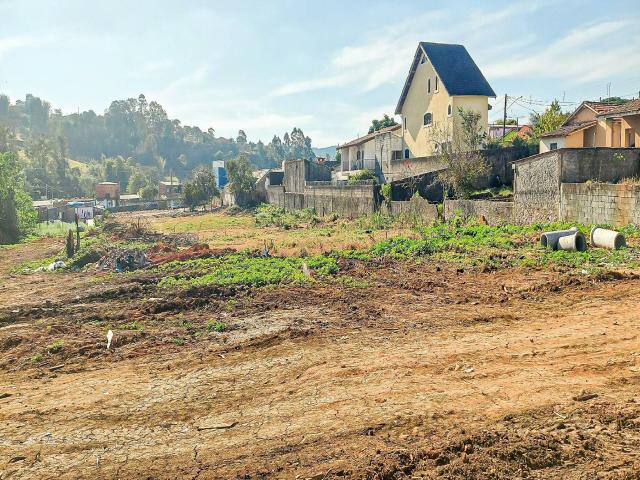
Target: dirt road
425, 373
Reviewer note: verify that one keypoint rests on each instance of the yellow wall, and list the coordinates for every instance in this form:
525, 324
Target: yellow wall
574, 140
419, 139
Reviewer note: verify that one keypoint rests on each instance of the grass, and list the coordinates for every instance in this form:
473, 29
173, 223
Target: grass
57, 228
269, 215
55, 347
493, 247
243, 269
216, 326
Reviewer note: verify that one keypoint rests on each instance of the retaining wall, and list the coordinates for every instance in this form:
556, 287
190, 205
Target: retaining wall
600, 203
349, 201
416, 208
537, 179
494, 212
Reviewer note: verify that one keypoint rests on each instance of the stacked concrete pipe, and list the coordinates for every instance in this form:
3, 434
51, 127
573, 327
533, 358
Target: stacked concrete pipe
601, 237
574, 243
550, 239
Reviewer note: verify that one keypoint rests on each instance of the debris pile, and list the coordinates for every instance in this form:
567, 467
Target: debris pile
123, 260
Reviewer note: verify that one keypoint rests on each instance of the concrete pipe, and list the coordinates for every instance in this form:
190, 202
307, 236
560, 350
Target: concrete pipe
601, 237
550, 239
574, 243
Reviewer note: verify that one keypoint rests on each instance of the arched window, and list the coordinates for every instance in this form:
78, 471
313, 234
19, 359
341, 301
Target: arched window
406, 153
428, 85
449, 110
427, 119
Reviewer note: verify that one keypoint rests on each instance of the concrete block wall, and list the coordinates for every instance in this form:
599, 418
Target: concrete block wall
416, 208
494, 212
600, 203
349, 201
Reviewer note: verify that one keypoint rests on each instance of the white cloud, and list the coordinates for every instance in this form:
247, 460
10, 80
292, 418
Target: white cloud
587, 53
385, 58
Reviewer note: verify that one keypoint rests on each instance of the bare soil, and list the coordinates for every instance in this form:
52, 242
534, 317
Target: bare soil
425, 371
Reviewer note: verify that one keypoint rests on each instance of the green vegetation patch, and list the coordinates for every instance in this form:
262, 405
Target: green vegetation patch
269, 215
243, 269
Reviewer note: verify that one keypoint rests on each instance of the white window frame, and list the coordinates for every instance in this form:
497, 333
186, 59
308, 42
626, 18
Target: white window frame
406, 153
428, 124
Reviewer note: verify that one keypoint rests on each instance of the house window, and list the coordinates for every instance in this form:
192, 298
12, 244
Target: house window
423, 59
404, 123
406, 153
427, 119
396, 155
553, 146
428, 85
436, 84
449, 110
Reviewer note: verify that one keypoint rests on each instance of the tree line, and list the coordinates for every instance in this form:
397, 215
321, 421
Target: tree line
133, 142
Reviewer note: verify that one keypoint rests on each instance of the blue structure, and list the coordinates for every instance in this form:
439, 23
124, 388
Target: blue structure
221, 173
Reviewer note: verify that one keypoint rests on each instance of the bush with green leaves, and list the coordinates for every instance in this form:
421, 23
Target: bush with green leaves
361, 176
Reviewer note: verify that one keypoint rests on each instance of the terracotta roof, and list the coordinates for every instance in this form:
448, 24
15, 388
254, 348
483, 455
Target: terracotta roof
628, 107
454, 66
565, 130
370, 136
601, 107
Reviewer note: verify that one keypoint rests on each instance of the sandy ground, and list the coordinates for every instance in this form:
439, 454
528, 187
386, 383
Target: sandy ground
427, 372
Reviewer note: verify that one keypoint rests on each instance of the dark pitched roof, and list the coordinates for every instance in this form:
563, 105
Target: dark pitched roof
565, 130
369, 136
456, 69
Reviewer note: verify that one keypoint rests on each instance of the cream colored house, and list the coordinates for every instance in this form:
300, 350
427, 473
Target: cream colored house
597, 124
443, 79
373, 151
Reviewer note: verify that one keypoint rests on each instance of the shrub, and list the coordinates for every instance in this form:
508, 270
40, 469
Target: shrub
56, 347
362, 175
216, 326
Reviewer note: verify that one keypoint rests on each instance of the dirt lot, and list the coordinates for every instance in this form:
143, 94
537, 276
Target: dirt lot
409, 370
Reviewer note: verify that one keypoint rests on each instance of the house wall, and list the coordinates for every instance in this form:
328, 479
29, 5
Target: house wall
632, 122
417, 138
545, 143
600, 203
472, 103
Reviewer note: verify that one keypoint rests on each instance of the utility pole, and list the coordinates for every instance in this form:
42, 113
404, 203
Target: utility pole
504, 121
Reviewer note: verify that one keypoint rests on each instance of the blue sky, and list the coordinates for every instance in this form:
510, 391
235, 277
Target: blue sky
327, 67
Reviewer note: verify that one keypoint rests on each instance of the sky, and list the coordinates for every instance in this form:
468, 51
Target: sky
327, 67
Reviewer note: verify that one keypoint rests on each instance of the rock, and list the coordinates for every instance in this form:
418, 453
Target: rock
584, 396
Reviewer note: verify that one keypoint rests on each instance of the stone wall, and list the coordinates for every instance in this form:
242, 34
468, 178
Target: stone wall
494, 212
417, 209
348, 201
601, 164
499, 161
537, 179
600, 203
536, 188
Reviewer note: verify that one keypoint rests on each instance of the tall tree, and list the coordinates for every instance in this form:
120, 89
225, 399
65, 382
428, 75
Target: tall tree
549, 120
